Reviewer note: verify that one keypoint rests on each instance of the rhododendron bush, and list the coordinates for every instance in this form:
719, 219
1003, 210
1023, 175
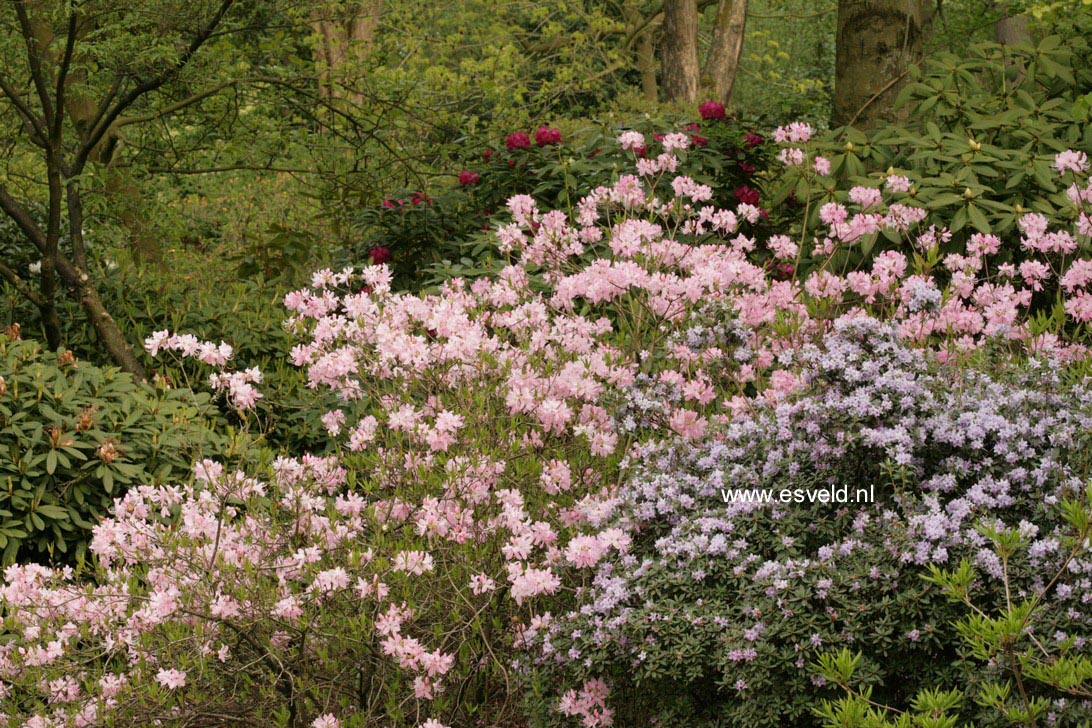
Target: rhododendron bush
523, 486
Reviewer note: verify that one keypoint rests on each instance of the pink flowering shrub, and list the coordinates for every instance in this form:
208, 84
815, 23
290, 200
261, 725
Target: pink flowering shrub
485, 447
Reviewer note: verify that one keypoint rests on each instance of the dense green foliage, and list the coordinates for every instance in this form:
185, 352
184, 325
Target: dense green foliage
73, 437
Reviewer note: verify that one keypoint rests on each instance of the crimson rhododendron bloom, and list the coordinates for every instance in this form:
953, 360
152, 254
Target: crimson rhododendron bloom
752, 139
468, 178
380, 254
517, 140
711, 110
547, 135
747, 195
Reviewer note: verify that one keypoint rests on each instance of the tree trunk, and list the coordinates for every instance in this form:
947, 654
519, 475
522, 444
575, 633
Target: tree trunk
726, 48
346, 34
1011, 29
106, 328
680, 51
646, 63
645, 52
877, 42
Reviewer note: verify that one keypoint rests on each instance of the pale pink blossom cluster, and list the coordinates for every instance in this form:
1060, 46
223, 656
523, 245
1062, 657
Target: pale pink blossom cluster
237, 386
589, 704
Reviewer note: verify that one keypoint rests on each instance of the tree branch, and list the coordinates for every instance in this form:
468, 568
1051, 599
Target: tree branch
62, 74
179, 105
38, 132
22, 219
20, 285
109, 114
37, 74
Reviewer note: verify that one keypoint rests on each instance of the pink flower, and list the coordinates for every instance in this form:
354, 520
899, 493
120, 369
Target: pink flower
468, 178
675, 141
171, 679
517, 140
413, 562
547, 135
711, 110
631, 140
326, 720
866, 197
797, 133
584, 551
791, 156
1070, 160
822, 165
688, 424
897, 183
480, 584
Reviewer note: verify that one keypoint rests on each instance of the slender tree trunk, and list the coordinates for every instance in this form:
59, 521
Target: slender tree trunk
346, 34
727, 46
645, 52
646, 63
877, 42
681, 70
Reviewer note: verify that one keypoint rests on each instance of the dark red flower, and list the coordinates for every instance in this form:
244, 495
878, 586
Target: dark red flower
692, 127
380, 254
546, 135
698, 140
641, 151
594, 153
658, 137
711, 110
420, 199
747, 169
752, 139
388, 203
487, 155
747, 195
467, 178
517, 140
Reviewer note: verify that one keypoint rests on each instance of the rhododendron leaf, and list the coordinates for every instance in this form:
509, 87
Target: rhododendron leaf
959, 220
55, 512
978, 219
